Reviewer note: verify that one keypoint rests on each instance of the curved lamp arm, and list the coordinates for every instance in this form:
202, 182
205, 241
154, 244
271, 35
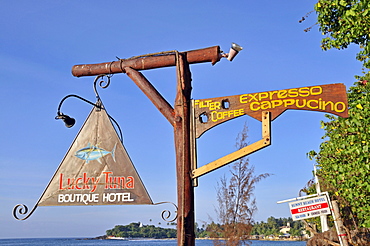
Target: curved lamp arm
69, 121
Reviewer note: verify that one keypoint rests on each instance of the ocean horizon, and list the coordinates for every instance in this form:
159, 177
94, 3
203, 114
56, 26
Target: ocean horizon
129, 242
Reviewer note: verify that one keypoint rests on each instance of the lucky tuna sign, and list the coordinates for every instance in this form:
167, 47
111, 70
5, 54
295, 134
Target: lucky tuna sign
96, 170
330, 98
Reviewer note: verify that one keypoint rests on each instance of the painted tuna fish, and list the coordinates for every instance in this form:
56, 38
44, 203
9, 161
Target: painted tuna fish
92, 152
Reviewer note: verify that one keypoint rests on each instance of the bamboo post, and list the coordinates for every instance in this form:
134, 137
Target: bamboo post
342, 235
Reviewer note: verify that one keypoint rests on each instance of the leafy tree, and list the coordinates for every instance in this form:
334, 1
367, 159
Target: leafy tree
343, 158
345, 22
236, 202
135, 230
273, 226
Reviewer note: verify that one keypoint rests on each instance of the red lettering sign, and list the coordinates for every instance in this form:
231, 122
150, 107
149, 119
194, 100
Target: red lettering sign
309, 208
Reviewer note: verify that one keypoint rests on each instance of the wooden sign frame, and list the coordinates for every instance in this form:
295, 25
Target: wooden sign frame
263, 106
264, 142
329, 98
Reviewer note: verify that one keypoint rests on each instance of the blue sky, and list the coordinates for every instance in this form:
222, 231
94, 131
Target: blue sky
40, 42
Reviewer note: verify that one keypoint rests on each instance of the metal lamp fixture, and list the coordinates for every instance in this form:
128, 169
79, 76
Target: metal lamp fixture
234, 50
68, 121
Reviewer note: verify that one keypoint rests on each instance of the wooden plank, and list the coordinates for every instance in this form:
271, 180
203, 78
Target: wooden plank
151, 92
193, 143
264, 142
266, 125
229, 158
330, 98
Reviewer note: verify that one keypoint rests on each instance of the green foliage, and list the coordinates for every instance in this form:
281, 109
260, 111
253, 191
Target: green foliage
202, 232
344, 160
273, 225
136, 230
345, 22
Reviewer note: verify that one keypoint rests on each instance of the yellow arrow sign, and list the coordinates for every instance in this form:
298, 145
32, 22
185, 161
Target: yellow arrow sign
330, 98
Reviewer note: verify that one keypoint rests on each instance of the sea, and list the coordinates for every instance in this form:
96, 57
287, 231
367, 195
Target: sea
81, 242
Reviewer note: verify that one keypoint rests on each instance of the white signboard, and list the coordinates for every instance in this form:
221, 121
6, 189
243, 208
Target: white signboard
309, 208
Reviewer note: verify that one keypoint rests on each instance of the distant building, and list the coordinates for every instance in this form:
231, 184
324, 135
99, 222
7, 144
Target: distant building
285, 229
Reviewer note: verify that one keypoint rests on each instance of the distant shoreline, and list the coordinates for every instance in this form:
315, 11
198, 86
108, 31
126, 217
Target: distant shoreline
105, 237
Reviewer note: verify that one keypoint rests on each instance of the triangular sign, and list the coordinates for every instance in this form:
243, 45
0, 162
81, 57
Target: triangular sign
96, 170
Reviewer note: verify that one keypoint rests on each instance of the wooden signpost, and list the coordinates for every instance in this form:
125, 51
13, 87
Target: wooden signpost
189, 119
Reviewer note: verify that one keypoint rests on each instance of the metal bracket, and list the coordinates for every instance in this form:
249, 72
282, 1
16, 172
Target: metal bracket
166, 214
264, 142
